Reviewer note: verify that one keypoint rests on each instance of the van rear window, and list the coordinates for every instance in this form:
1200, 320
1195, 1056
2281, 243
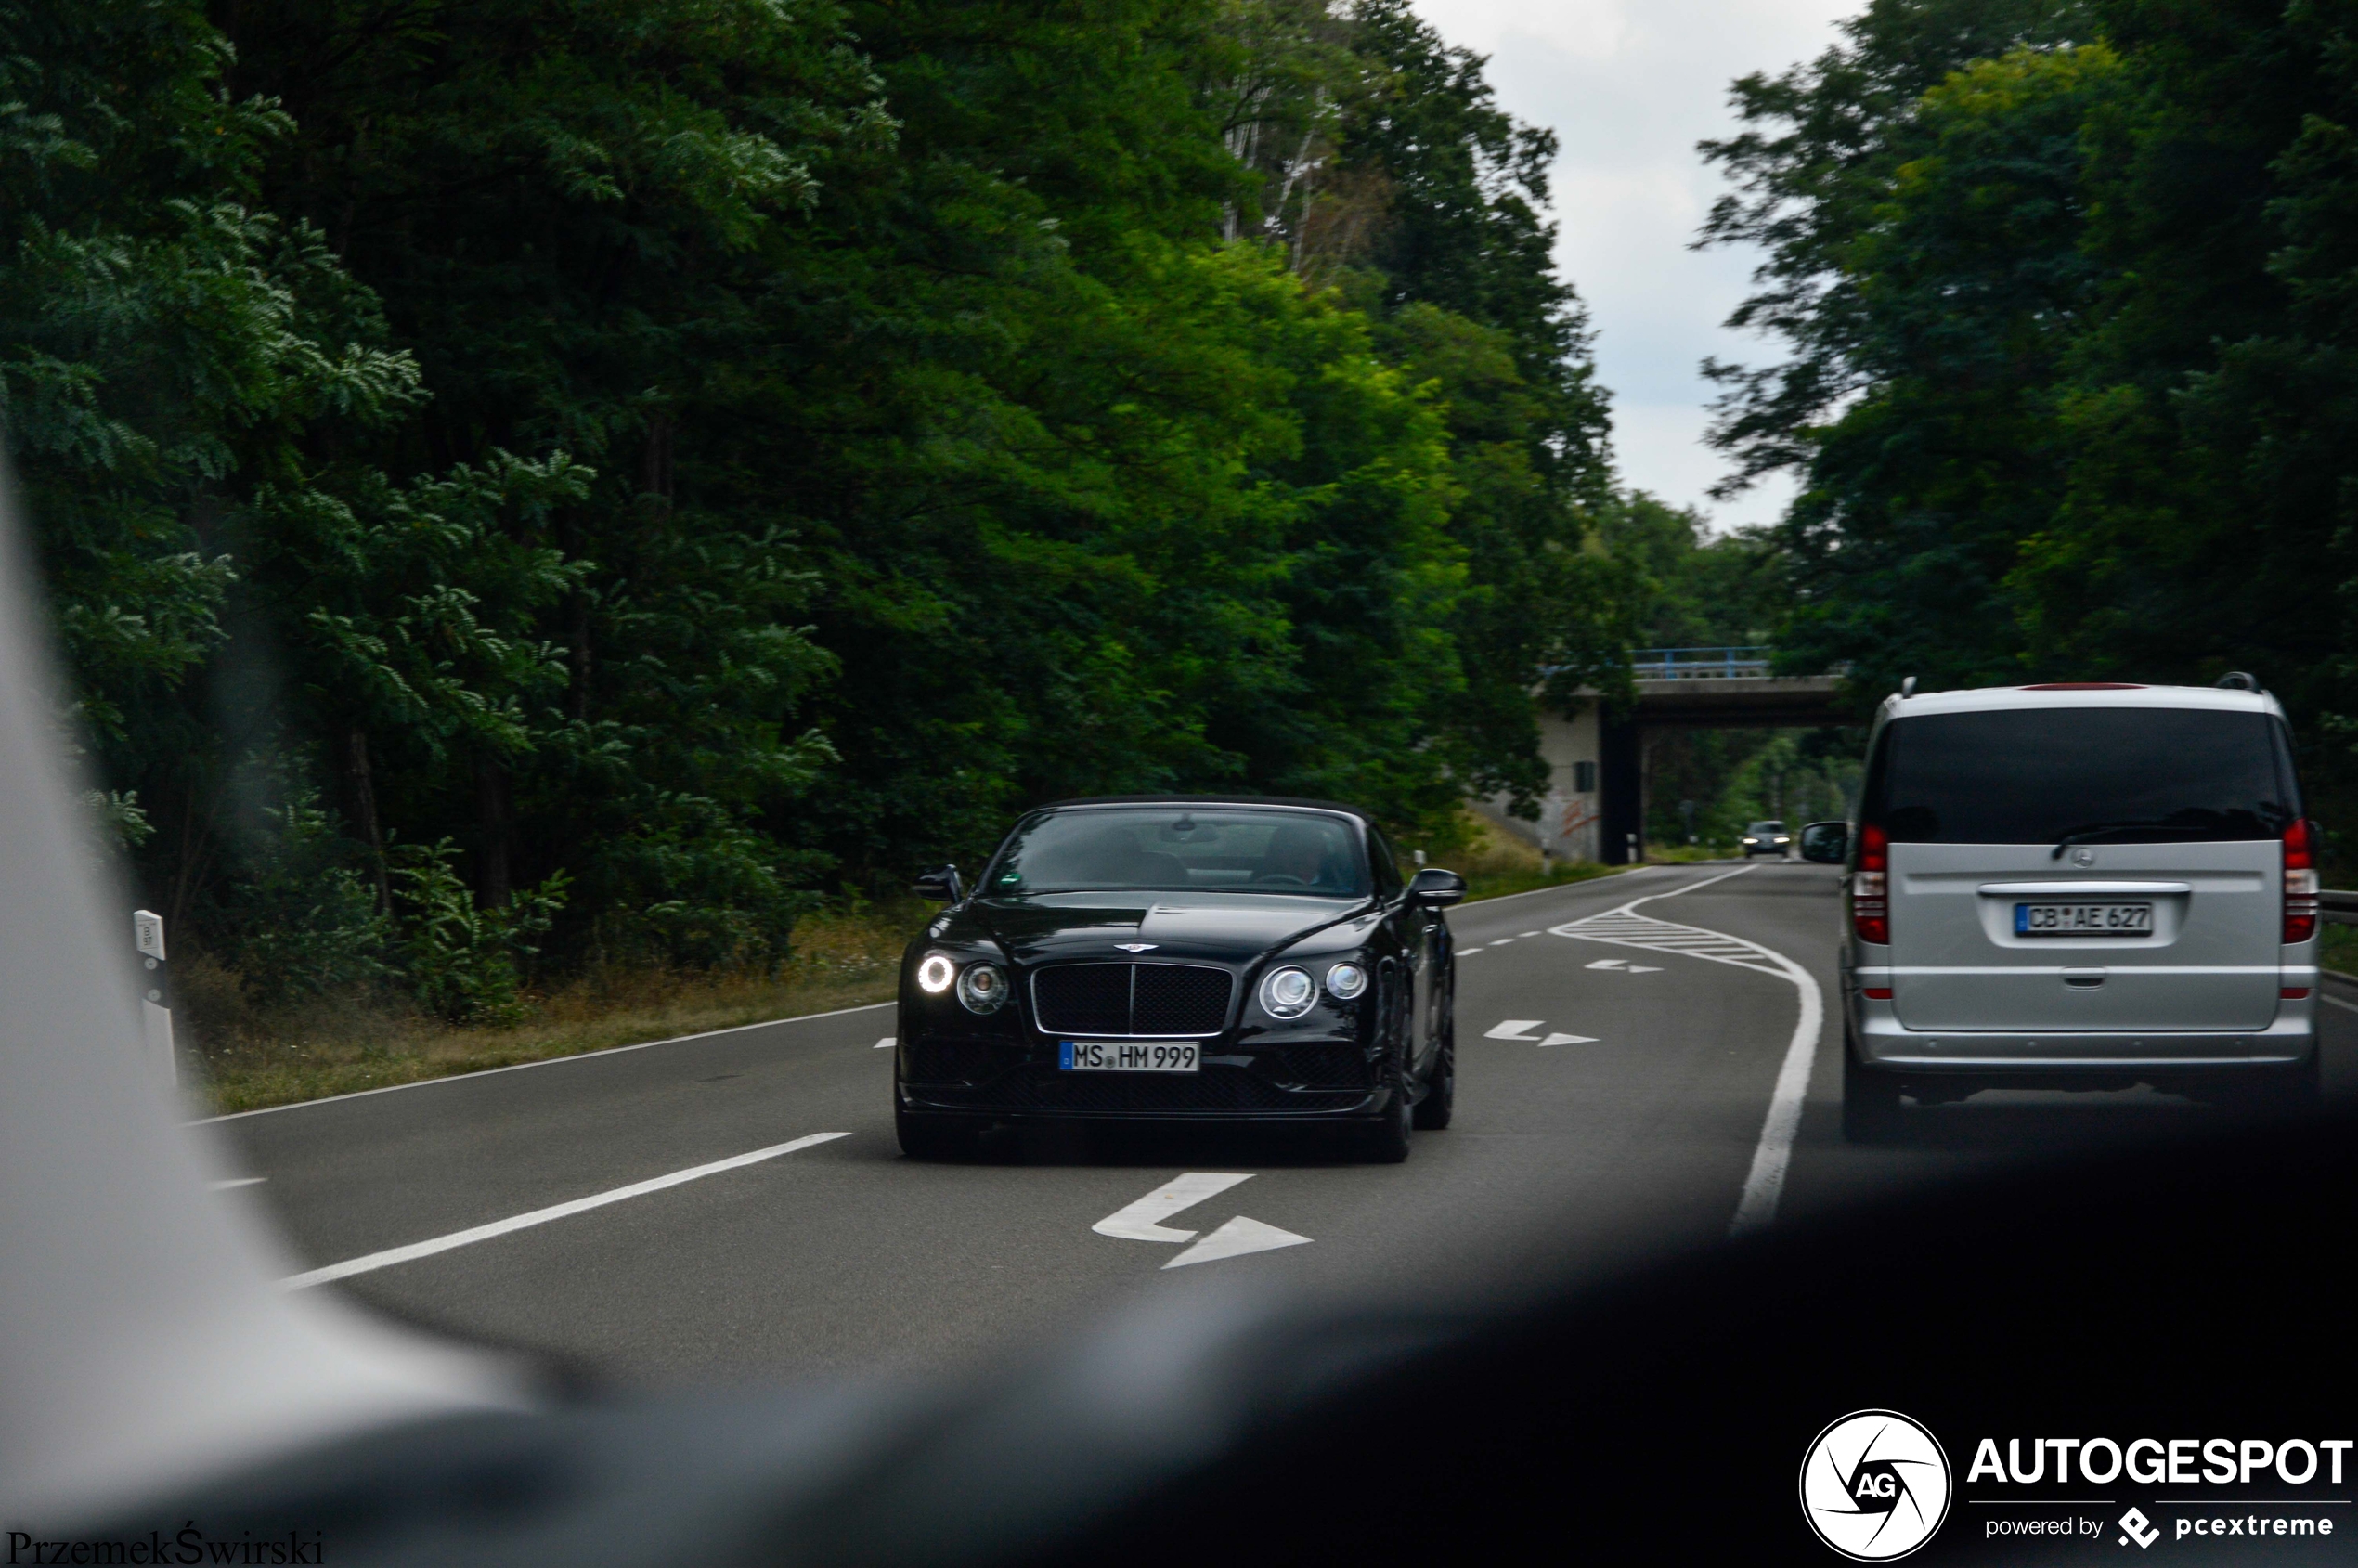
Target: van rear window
2097, 775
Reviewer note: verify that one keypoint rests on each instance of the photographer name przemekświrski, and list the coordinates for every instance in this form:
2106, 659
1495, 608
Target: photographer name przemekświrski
189, 1544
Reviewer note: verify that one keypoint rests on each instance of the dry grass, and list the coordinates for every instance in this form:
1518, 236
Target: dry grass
252, 1057
1496, 863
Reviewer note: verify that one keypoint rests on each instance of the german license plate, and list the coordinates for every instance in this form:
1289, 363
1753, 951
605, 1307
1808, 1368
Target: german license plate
1130, 1055
2083, 920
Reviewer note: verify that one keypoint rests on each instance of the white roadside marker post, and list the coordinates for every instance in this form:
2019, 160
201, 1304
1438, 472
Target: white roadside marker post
155, 993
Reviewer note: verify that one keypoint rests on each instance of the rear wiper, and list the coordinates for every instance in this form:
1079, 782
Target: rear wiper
2097, 830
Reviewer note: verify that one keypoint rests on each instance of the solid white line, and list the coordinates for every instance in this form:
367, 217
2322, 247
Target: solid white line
242, 1181
545, 1061
415, 1250
1563, 887
1765, 1183
1688, 888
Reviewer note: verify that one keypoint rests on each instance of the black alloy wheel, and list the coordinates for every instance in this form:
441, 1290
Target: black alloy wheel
936, 1138
1871, 1108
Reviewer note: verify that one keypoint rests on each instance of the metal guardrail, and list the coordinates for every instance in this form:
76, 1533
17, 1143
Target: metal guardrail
1697, 664
2338, 906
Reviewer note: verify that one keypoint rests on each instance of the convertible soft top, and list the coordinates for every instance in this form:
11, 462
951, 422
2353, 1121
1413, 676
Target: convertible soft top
1240, 799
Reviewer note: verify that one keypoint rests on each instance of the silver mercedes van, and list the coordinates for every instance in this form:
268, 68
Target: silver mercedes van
2076, 886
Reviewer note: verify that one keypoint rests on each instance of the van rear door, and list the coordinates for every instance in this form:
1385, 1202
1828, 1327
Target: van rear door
2058, 869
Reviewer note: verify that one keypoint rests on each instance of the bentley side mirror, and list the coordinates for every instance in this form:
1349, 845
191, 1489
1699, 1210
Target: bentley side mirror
1827, 843
1438, 888
940, 886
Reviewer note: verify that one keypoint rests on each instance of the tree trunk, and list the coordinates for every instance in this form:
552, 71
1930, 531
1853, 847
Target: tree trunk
361, 793
493, 812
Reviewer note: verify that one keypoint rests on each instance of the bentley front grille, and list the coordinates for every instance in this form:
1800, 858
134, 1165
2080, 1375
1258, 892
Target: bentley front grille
1121, 1000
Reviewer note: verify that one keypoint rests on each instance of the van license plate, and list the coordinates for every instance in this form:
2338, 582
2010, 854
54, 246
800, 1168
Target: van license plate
2083, 920
1130, 1055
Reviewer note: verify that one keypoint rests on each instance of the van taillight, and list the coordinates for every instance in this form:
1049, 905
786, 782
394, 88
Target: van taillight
2301, 884
1870, 895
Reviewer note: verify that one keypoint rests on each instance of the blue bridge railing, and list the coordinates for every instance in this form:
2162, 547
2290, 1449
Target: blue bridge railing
1697, 664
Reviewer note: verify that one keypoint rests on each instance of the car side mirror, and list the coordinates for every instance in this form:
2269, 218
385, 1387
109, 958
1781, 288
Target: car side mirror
1438, 888
1827, 843
940, 886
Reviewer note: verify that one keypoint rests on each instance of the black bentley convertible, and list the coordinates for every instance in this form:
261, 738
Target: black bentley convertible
1182, 957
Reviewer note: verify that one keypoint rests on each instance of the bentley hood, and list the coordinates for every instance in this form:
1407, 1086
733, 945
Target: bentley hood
1228, 927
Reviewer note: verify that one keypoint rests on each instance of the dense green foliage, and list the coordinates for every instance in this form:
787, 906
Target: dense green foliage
591, 474
2072, 382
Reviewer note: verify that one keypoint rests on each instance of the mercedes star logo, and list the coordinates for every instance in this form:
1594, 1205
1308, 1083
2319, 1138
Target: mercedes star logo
2083, 856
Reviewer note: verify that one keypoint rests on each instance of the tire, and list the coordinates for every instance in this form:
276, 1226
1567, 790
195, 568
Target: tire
1385, 1141
1441, 1085
935, 1138
1433, 1111
2274, 1093
1871, 1109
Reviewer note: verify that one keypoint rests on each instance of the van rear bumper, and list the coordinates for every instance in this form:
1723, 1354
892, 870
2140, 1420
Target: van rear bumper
1883, 1041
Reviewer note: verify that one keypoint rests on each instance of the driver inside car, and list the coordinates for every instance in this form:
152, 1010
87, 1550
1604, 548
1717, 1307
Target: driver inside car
1301, 853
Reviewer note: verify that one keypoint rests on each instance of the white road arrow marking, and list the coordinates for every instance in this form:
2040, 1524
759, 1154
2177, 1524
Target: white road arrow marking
1514, 1029
1570, 1040
1606, 963
1141, 1221
885, 1044
1642, 969
1235, 1238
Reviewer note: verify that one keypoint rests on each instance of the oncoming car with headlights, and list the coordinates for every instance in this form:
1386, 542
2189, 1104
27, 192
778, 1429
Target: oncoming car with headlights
1187, 958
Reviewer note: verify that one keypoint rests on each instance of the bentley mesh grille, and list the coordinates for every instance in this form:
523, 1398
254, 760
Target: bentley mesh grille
1131, 999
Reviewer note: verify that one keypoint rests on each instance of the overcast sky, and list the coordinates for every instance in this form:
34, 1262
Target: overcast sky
1630, 86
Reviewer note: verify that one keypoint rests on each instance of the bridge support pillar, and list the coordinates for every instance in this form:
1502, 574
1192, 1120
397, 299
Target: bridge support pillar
1621, 769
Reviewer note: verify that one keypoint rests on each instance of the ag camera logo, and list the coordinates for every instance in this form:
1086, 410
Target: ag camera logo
1874, 1485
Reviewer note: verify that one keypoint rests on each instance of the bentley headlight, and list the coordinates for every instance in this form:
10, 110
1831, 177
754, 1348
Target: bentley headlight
935, 973
1345, 982
982, 987
1288, 992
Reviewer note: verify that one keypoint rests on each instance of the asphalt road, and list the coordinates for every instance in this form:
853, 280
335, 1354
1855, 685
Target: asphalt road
1639, 1130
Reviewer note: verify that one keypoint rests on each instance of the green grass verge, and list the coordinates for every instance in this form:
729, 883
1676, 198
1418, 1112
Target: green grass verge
2337, 948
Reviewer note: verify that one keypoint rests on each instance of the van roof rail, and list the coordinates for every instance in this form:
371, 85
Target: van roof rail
2236, 680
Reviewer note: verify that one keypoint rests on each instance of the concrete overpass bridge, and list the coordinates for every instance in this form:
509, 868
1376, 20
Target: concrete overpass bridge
1596, 804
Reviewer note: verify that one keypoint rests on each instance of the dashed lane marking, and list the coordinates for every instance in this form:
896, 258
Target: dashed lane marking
885, 1044
415, 1250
